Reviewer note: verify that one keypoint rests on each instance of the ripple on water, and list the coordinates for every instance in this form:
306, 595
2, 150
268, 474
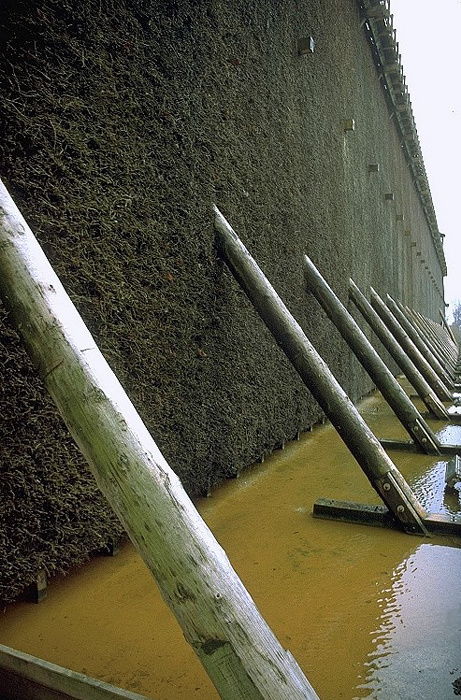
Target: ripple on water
450, 435
432, 492
417, 641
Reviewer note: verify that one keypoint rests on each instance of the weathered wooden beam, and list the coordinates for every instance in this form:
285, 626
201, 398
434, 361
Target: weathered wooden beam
449, 352
445, 340
441, 524
413, 375
445, 349
380, 516
446, 336
391, 390
26, 677
442, 342
447, 327
433, 344
420, 343
38, 590
436, 338
380, 470
409, 347
218, 617
408, 446
351, 512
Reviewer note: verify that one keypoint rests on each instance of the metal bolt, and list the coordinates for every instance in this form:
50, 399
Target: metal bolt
400, 509
387, 487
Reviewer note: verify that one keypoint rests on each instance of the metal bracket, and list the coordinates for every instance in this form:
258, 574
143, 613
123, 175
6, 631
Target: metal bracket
437, 407
423, 438
402, 507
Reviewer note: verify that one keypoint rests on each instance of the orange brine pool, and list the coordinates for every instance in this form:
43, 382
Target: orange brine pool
367, 612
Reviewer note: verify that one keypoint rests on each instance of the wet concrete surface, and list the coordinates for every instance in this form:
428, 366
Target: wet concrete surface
367, 612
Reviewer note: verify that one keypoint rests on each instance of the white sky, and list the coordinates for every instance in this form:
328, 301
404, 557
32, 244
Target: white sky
429, 36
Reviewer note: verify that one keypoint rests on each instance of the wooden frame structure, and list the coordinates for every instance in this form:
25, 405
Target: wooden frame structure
401, 508
418, 429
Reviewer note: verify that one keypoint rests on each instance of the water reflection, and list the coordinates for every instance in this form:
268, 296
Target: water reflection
417, 641
450, 435
431, 490
429, 485
367, 612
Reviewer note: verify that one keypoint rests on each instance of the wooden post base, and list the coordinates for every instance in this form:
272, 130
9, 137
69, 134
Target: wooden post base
37, 591
453, 472
110, 549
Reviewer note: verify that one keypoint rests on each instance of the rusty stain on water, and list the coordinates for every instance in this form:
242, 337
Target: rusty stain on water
367, 612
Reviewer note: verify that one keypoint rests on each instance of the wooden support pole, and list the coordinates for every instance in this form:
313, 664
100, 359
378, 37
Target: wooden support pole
437, 340
445, 347
413, 375
409, 347
445, 337
452, 349
391, 390
433, 344
217, 615
443, 343
441, 339
420, 343
447, 327
378, 467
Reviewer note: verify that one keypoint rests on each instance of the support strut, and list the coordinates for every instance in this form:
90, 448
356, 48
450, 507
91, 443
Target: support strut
403, 407
365, 447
